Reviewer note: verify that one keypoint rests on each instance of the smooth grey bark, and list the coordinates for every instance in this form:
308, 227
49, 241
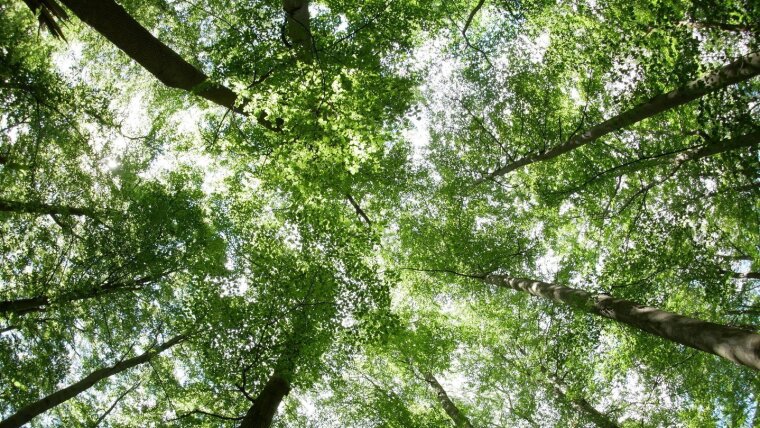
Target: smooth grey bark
460, 420
30, 411
113, 22
733, 344
742, 69
261, 413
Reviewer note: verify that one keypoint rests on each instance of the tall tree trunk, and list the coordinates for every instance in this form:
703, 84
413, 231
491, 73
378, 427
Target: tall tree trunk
742, 69
264, 407
113, 22
27, 413
560, 389
44, 209
739, 346
460, 420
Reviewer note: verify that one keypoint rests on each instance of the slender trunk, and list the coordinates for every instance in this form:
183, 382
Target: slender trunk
113, 22
739, 346
676, 158
695, 153
38, 303
23, 306
598, 418
742, 69
48, 13
560, 389
264, 407
736, 28
44, 209
27, 413
460, 420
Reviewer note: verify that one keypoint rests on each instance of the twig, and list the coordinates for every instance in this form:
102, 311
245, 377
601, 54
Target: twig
113, 406
205, 413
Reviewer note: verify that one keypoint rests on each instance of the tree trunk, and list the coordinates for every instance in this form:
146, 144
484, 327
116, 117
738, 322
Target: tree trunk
299, 31
38, 303
27, 413
747, 275
460, 420
44, 209
113, 22
739, 346
560, 389
23, 306
116, 25
742, 69
48, 13
264, 407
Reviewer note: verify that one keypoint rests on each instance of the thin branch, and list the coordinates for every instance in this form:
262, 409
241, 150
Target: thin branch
464, 275
115, 403
472, 15
358, 209
205, 413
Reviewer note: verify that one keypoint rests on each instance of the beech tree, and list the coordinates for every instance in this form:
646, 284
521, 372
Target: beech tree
379, 214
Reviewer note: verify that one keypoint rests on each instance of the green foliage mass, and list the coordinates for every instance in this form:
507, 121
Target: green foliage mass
347, 251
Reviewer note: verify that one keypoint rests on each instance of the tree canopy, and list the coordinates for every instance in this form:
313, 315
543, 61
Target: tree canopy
386, 213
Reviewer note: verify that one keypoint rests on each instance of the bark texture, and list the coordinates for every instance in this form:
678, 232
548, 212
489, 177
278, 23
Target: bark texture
742, 69
264, 407
27, 413
460, 420
737, 345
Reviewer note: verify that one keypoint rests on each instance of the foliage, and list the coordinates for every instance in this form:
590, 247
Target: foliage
346, 252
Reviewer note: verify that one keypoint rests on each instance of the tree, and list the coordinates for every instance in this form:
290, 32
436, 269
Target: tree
451, 409
737, 345
28, 412
339, 201
742, 69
